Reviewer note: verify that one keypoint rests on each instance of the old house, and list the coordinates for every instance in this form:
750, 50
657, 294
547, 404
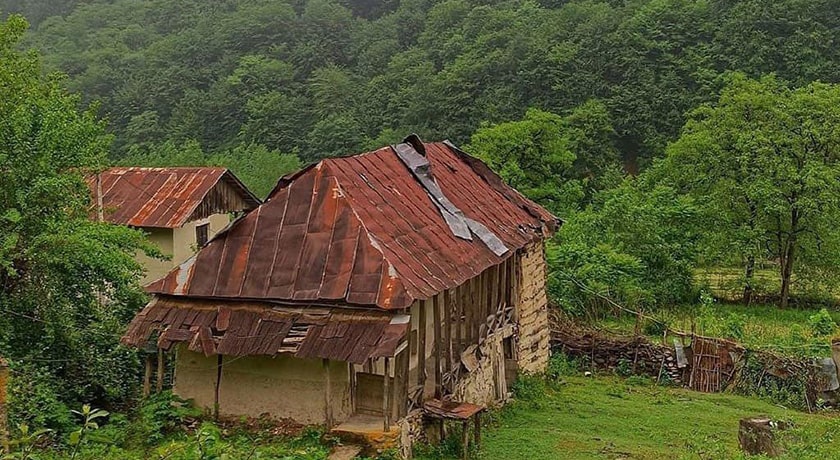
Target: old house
179, 208
361, 288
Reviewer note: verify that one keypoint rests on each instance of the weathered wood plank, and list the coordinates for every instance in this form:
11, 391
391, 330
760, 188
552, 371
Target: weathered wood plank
437, 305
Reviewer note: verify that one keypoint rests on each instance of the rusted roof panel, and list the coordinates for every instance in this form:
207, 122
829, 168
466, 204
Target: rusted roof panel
362, 230
254, 328
163, 197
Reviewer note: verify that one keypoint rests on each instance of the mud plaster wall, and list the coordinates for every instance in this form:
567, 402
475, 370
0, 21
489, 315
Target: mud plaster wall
179, 243
485, 385
532, 351
282, 387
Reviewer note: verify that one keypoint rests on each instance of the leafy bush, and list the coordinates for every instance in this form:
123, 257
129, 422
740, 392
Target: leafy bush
734, 324
655, 327
821, 323
530, 389
561, 365
34, 398
159, 415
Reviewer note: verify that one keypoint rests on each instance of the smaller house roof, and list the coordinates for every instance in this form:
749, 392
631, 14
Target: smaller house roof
164, 197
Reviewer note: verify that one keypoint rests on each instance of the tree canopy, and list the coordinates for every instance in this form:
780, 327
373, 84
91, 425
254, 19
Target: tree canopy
67, 282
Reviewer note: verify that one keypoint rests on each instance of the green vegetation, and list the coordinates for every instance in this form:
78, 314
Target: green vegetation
681, 141
164, 427
608, 417
57, 265
758, 326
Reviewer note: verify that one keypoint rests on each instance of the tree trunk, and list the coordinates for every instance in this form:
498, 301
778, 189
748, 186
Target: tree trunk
748, 280
787, 269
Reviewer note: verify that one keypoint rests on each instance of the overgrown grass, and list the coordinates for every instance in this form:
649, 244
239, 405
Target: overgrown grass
755, 326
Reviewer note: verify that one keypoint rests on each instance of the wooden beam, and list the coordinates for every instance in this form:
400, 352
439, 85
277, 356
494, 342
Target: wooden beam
353, 386
477, 430
447, 332
147, 377
504, 293
469, 311
401, 382
421, 347
437, 305
465, 440
459, 321
219, 362
386, 395
328, 415
160, 370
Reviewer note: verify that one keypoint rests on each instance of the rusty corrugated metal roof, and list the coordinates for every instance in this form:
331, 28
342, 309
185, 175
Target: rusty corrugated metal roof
247, 329
160, 197
362, 230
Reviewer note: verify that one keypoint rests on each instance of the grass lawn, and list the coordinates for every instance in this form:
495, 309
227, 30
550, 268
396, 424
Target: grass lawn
610, 418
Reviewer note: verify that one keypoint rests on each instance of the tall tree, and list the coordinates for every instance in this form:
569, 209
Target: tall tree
765, 161
56, 264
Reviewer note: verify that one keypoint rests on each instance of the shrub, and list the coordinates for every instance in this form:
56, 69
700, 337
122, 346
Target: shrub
655, 327
530, 388
821, 323
159, 415
734, 324
561, 365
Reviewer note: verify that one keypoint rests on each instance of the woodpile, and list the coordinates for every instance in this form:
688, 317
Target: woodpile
602, 351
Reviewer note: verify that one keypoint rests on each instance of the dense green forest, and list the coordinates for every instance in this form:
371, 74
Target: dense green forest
328, 77
671, 135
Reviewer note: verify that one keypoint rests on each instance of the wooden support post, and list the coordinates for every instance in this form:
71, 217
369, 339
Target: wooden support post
459, 322
328, 415
352, 373
447, 333
477, 430
515, 284
386, 395
219, 362
401, 382
437, 305
147, 377
504, 294
421, 346
160, 371
465, 440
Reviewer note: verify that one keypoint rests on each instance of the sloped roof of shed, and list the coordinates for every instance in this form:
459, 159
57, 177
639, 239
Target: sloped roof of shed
160, 197
362, 230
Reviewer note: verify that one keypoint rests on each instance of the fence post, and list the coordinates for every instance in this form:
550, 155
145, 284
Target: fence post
4, 382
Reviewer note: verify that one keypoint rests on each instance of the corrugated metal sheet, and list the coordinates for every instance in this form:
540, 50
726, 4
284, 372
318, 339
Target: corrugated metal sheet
362, 230
246, 329
166, 197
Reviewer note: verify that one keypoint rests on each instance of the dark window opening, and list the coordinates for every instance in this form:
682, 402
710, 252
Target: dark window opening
202, 234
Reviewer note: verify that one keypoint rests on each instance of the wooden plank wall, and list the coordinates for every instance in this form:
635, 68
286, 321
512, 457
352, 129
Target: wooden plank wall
450, 325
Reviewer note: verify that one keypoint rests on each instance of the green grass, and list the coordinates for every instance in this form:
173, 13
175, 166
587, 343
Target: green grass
609, 418
764, 326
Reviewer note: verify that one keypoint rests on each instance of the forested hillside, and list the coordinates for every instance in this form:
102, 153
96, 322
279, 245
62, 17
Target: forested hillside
329, 77
677, 139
